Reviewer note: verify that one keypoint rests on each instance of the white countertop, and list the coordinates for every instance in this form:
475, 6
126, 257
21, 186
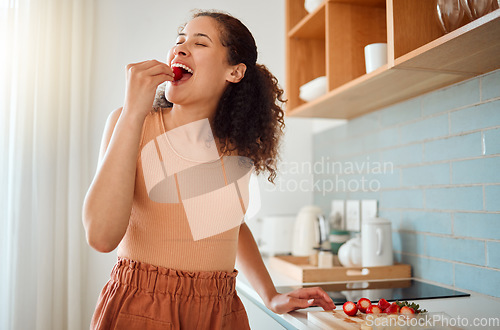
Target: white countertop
476, 308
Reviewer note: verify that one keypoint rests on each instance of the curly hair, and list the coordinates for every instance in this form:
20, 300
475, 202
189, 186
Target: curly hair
249, 119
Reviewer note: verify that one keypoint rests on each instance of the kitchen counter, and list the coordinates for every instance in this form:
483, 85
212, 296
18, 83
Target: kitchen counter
476, 307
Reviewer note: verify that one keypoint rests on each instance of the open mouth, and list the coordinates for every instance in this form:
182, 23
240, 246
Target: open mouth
181, 72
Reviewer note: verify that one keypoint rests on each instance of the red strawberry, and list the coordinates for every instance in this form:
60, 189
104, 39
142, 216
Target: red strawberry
407, 310
383, 304
177, 73
392, 309
350, 308
373, 309
363, 304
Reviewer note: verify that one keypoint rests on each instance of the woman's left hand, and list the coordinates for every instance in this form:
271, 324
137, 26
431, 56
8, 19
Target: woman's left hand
300, 298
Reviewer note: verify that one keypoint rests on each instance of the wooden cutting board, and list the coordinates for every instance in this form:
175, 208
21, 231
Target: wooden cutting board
336, 319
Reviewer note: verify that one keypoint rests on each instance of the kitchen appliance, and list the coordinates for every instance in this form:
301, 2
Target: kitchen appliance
391, 290
309, 231
376, 246
274, 234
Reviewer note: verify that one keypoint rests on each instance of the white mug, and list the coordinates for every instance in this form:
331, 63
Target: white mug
375, 56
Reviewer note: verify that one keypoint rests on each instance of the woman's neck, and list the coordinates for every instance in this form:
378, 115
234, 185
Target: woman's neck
180, 115
193, 129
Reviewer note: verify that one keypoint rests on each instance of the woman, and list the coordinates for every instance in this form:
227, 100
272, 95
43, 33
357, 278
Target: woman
172, 205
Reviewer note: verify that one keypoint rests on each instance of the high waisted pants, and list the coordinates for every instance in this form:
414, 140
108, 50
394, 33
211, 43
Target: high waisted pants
145, 297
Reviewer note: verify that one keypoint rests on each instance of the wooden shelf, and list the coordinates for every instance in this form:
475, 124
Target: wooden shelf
312, 26
429, 61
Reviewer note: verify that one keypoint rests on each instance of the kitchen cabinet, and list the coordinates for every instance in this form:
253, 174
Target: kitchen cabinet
330, 42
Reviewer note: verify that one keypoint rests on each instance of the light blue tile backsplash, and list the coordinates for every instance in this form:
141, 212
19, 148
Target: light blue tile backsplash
405, 199
424, 129
490, 86
478, 225
476, 117
440, 186
456, 249
458, 96
490, 140
481, 170
393, 114
385, 138
455, 147
468, 198
434, 174
493, 255
431, 222
410, 154
409, 242
430, 269
492, 198
479, 279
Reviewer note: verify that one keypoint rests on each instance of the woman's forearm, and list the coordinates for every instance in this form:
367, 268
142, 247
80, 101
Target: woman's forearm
108, 203
250, 262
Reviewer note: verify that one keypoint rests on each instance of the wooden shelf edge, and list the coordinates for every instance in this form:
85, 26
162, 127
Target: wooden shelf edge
316, 108
374, 91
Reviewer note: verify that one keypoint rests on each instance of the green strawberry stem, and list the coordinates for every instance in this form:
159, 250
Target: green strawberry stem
416, 307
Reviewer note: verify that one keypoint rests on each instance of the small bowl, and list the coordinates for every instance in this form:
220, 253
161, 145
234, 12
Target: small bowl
313, 89
310, 5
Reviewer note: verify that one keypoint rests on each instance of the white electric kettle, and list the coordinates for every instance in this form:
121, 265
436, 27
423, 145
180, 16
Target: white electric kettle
307, 233
376, 235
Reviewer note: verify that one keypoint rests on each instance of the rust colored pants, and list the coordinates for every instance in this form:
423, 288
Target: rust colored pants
145, 297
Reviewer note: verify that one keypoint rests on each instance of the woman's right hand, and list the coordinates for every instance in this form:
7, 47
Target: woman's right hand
143, 79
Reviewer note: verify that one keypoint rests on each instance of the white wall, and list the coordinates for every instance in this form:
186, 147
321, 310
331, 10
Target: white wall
129, 31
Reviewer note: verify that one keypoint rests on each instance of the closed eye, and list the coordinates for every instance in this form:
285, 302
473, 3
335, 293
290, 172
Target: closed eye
180, 40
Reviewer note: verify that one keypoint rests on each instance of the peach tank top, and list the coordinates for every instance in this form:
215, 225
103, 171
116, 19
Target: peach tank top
186, 215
